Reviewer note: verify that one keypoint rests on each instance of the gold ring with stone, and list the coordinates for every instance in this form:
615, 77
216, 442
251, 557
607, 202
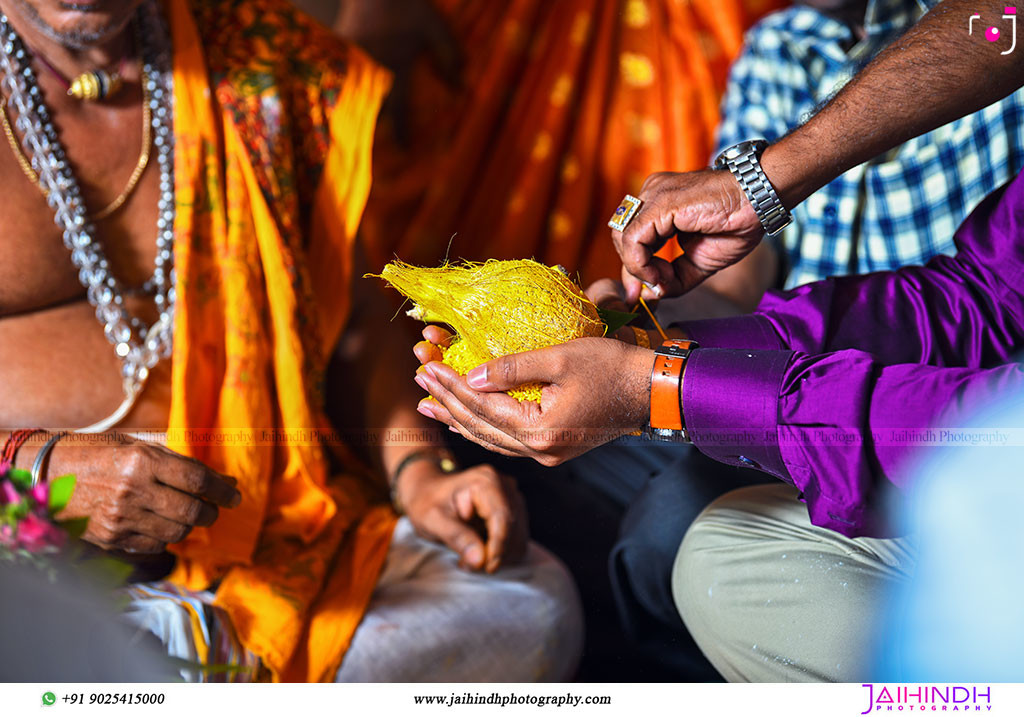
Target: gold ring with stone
624, 213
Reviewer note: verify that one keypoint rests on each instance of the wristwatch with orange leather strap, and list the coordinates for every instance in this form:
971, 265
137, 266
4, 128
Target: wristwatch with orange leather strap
667, 420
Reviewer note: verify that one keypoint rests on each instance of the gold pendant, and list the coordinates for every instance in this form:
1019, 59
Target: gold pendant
95, 85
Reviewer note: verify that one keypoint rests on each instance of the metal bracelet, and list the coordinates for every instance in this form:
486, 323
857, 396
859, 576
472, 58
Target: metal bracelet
37, 464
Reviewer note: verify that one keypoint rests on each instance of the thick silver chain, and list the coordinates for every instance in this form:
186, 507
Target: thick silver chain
138, 346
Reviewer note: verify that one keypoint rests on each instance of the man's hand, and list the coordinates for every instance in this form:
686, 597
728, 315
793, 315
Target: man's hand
138, 496
710, 216
596, 390
461, 509
608, 294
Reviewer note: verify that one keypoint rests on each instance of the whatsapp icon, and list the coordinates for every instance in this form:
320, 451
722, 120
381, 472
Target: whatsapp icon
49, 698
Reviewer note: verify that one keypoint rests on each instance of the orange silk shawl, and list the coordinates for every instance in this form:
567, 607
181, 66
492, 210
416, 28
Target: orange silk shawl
566, 107
274, 122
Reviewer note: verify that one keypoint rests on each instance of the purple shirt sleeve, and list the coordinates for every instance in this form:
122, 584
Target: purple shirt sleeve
826, 386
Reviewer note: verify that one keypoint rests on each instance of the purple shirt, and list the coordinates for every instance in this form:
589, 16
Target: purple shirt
828, 386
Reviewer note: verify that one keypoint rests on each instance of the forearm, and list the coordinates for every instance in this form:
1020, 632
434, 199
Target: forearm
932, 75
378, 370
393, 396
967, 310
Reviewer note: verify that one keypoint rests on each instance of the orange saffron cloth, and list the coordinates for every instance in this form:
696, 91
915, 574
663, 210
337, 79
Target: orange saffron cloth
567, 106
274, 123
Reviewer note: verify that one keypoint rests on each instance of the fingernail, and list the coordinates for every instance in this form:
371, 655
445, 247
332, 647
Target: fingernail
453, 429
429, 368
477, 378
474, 556
236, 500
425, 409
420, 381
655, 289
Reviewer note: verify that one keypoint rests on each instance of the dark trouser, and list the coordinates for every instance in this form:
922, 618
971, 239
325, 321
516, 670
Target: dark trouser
621, 511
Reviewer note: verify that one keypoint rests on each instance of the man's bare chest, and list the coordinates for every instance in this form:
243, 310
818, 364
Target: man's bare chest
35, 266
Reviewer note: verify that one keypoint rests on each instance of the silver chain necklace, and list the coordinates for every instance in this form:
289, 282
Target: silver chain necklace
138, 346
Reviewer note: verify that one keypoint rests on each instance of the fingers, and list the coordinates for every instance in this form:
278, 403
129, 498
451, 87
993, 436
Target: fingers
459, 537
438, 335
428, 350
492, 507
607, 294
645, 235
436, 410
631, 286
182, 508
685, 275
139, 543
115, 536
473, 409
502, 374
495, 499
192, 477
166, 531
666, 283
464, 507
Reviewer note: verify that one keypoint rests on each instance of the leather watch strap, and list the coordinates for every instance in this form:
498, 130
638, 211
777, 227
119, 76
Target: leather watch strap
666, 404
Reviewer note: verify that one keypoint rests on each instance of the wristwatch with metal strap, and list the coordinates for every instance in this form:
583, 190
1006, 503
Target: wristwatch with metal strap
744, 161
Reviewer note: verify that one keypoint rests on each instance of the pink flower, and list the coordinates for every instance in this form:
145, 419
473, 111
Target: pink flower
6, 536
8, 493
40, 494
35, 534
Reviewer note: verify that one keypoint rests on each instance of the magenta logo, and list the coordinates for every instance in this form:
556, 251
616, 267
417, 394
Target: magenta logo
928, 698
992, 34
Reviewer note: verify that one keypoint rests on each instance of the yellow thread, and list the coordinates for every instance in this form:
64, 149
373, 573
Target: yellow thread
664, 336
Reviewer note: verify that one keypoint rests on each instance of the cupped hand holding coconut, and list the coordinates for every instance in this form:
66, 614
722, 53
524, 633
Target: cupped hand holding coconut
594, 390
527, 371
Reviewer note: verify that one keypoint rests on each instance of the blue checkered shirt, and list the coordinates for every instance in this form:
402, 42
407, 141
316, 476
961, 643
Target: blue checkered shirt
898, 209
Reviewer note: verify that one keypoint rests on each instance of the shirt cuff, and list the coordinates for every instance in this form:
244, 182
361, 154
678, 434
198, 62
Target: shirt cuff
750, 331
731, 406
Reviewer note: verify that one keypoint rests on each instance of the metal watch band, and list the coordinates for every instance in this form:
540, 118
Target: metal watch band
744, 161
667, 421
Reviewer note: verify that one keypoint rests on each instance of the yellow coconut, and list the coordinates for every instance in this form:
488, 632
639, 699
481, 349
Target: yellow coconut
497, 308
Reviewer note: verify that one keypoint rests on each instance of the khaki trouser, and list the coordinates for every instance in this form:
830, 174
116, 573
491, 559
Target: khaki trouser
771, 598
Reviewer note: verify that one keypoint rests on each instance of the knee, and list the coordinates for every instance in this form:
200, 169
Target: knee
732, 545
556, 616
640, 569
693, 572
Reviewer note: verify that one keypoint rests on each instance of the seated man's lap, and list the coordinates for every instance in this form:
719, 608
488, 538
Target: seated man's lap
616, 516
769, 597
669, 495
428, 620
431, 621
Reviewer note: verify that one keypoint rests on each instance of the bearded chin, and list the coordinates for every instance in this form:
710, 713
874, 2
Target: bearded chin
73, 38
